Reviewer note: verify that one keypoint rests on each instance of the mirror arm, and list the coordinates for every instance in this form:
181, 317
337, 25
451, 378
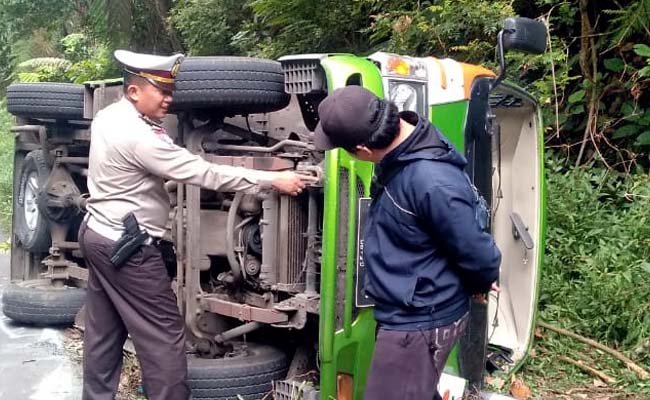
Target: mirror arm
502, 61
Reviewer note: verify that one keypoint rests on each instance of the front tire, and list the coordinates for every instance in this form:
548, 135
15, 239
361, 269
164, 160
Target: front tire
38, 302
249, 374
31, 225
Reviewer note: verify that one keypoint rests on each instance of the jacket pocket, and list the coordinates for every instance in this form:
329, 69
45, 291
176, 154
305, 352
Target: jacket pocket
423, 289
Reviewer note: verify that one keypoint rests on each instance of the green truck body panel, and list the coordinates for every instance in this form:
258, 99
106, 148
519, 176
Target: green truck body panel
349, 349
452, 127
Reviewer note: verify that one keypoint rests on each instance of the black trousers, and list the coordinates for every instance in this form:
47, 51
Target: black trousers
135, 299
406, 365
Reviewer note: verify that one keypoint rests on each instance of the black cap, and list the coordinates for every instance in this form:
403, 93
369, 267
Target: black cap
348, 117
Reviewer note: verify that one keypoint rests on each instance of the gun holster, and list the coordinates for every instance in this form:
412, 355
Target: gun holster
129, 242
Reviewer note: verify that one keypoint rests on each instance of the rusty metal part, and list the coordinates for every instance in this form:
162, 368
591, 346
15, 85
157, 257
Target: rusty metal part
58, 266
250, 205
252, 265
242, 312
42, 138
312, 253
214, 146
260, 163
63, 269
298, 307
73, 160
315, 170
60, 198
238, 331
264, 300
192, 261
269, 229
235, 266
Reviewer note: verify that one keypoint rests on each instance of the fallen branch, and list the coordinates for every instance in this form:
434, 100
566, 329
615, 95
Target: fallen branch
643, 374
591, 371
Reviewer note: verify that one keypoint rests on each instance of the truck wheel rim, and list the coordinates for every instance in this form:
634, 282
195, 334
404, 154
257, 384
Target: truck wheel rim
31, 208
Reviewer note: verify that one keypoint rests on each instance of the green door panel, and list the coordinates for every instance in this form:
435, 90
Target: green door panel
450, 118
347, 349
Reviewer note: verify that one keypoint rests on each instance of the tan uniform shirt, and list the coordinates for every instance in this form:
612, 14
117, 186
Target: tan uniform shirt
129, 160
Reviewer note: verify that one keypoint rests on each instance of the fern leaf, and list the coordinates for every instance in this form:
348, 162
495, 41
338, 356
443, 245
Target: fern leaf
43, 62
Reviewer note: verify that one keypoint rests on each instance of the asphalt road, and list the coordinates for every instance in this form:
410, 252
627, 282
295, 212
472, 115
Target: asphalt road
33, 363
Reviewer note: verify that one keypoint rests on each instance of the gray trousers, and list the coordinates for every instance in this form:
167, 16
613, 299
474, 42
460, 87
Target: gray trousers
135, 299
407, 365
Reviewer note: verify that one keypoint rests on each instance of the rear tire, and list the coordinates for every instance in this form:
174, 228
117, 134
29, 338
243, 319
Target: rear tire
46, 100
248, 375
232, 85
37, 302
31, 225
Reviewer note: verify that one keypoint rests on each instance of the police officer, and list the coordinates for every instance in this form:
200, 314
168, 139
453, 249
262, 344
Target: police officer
425, 244
130, 157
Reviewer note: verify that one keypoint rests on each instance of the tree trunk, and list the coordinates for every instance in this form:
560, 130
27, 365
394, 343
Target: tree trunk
589, 67
162, 10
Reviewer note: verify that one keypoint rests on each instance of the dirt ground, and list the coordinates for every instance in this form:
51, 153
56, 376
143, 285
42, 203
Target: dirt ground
129, 388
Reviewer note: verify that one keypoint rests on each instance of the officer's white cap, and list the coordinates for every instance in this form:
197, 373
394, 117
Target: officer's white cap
159, 70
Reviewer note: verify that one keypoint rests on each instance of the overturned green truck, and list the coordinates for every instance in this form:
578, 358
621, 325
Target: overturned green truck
271, 287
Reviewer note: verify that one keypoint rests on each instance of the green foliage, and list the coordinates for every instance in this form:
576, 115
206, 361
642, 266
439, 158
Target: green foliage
298, 26
90, 60
593, 280
426, 28
6, 61
112, 20
85, 61
22, 17
44, 69
191, 17
75, 47
6, 172
643, 50
597, 254
610, 68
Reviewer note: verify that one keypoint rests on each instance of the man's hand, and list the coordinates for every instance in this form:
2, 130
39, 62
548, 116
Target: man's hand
481, 298
291, 183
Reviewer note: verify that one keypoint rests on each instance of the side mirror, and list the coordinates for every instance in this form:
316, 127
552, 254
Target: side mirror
523, 34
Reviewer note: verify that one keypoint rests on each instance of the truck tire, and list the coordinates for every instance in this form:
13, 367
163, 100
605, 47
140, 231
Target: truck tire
37, 302
248, 376
233, 85
31, 225
46, 100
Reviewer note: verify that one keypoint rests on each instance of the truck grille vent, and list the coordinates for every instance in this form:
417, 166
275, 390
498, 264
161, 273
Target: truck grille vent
303, 76
293, 242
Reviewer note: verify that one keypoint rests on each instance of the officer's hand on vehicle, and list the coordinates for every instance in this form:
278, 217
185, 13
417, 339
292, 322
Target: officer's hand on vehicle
291, 183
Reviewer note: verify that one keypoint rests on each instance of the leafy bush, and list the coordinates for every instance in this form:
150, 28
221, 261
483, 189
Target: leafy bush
598, 254
84, 61
43, 69
6, 173
431, 27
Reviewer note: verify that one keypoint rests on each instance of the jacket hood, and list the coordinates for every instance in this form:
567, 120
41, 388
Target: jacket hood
426, 142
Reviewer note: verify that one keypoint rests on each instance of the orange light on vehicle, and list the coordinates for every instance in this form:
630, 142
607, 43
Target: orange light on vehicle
344, 387
399, 66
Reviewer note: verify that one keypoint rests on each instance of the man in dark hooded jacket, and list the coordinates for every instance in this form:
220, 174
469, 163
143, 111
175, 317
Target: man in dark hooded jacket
425, 242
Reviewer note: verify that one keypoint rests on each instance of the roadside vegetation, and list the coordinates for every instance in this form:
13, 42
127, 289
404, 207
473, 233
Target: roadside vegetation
6, 171
593, 84
597, 262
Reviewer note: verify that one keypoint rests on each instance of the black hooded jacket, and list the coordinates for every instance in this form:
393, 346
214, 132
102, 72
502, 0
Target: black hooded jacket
424, 246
